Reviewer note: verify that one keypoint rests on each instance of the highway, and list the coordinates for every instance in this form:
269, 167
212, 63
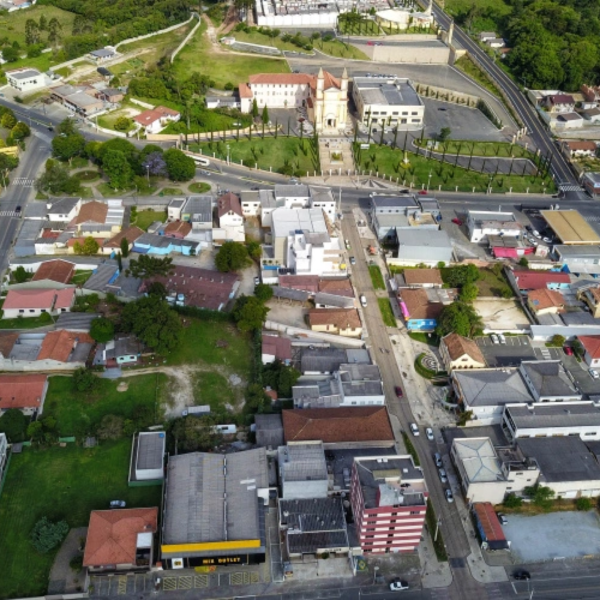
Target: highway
526, 112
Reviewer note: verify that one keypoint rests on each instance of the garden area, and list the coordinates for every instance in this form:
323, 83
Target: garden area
58, 483
353, 23
387, 314
144, 218
469, 148
376, 277
492, 282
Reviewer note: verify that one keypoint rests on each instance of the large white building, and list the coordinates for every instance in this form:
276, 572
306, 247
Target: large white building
393, 102
481, 224
26, 79
324, 96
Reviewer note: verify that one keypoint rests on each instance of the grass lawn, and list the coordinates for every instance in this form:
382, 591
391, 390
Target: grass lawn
386, 312
223, 67
171, 191
217, 13
26, 322
214, 121
491, 284
490, 149
499, 7
255, 37
422, 171
358, 27
199, 187
59, 483
145, 218
425, 338
268, 152
214, 389
468, 67
12, 24
79, 415
376, 277
108, 120
81, 277
341, 49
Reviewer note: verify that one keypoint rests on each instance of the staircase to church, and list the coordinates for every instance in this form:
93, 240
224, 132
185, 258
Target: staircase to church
335, 156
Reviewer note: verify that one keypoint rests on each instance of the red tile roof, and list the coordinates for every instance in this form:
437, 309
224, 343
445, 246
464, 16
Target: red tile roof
535, 280
340, 318
281, 78
112, 535
178, 229
154, 114
577, 145
422, 276
130, 234
418, 304
58, 345
591, 343
92, 212
279, 347
56, 270
339, 287
306, 283
331, 425
7, 341
545, 298
22, 391
39, 298
458, 346
489, 521
245, 91
229, 202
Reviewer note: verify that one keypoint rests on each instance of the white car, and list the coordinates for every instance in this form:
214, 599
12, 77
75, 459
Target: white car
443, 476
398, 585
536, 233
501, 338
495, 338
449, 496
429, 434
594, 374
414, 429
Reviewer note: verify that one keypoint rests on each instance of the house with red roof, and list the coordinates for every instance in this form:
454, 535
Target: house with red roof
276, 348
156, 119
34, 302
23, 392
591, 346
231, 219
536, 280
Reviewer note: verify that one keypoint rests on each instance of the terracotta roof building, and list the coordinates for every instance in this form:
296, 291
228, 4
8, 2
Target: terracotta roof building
423, 277
59, 345
92, 212
130, 234
33, 302
229, 202
459, 352
306, 283
338, 287
120, 539
536, 280
7, 341
177, 229
57, 270
591, 345
155, 119
422, 307
24, 392
342, 321
361, 426
276, 348
545, 301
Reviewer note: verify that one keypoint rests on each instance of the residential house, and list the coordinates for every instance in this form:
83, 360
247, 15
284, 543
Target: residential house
343, 321
34, 302
110, 95
113, 244
422, 247
222, 101
342, 428
57, 270
156, 119
569, 120
123, 350
198, 212
104, 54
100, 219
269, 431
559, 103
175, 208
419, 278
26, 79
591, 296
23, 392
276, 348
231, 219
545, 302
459, 352
484, 392
578, 149
421, 308
548, 381
495, 43
176, 229
388, 495
120, 540
481, 224
484, 36
63, 210
591, 347
325, 361
591, 94
163, 245
537, 280
485, 476
591, 114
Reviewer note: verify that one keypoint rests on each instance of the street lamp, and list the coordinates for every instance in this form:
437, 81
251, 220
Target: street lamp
437, 527
375, 569
227, 146
148, 173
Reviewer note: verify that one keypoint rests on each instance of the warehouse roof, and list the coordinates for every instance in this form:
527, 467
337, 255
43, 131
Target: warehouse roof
570, 227
548, 414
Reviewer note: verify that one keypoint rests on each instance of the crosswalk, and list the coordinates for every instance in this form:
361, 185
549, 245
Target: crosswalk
24, 182
571, 188
8, 213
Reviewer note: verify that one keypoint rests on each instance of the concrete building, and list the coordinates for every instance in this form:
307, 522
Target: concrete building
231, 219
419, 278
175, 208
198, 212
148, 457
489, 527
484, 476
485, 392
459, 352
527, 280
321, 361
388, 103
198, 528
591, 296
302, 470
416, 247
552, 419
100, 219
481, 224
63, 210
276, 348
548, 381
559, 103
388, 495
397, 19
26, 79
579, 260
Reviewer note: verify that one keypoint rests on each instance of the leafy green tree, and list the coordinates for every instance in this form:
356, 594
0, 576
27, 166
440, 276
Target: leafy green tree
256, 401
180, 167
512, 501
146, 267
46, 535
194, 434
123, 124
584, 504
254, 109
249, 313
68, 146
558, 341
153, 322
460, 318
232, 256
102, 330
117, 169
540, 495
280, 377
20, 131
254, 249
14, 424
523, 262
444, 134
56, 180
20, 275
84, 380
469, 292
8, 119
10, 54
156, 288
124, 247
265, 115
460, 275
263, 292
89, 247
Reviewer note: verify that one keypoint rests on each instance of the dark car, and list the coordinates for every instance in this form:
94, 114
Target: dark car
398, 391
18, 208
529, 228
522, 575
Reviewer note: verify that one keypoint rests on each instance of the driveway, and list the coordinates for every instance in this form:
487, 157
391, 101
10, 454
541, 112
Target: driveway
516, 349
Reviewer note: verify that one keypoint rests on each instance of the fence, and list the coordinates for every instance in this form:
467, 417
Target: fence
187, 37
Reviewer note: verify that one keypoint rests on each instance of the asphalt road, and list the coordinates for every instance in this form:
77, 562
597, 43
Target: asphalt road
536, 130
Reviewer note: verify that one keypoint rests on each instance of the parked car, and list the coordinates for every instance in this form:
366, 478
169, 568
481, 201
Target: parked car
529, 228
536, 233
414, 429
449, 496
256, 280
568, 350
18, 208
546, 240
501, 338
443, 476
429, 434
347, 245
398, 585
437, 457
502, 518
522, 575
495, 338
457, 221
398, 391
118, 504
363, 301
370, 43
594, 374
352, 260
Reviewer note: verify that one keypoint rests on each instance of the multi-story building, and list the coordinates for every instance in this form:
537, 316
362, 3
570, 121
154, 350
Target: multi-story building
388, 495
548, 381
481, 224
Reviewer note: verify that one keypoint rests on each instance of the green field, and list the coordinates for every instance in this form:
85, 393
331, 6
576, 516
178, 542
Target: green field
490, 284
468, 67
423, 172
357, 25
224, 67
268, 152
80, 277
341, 49
26, 322
255, 37
59, 483
387, 314
376, 277
489, 149
80, 414
199, 187
12, 25
484, 7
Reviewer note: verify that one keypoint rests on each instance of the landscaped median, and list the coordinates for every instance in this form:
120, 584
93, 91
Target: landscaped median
436, 535
376, 277
387, 314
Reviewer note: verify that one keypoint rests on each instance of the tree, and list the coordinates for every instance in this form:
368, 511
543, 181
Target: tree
56, 180
180, 167
14, 424
512, 501
249, 313
10, 54
154, 164
254, 249
523, 262
256, 400
123, 123
558, 341
232, 256
89, 247
469, 292
540, 495
84, 380
102, 330
263, 292
195, 434
43, 23
8, 120
124, 245
156, 288
444, 134
32, 32
68, 146
153, 322
280, 377
20, 131
458, 276
117, 169
111, 427
20, 275
583, 504
460, 318
254, 109
265, 115
146, 267
46, 535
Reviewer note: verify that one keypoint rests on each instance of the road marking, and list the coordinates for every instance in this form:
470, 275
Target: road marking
185, 582
8, 213
122, 585
24, 181
169, 583
201, 581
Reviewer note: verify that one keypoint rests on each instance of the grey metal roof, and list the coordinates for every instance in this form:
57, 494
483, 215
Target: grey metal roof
579, 317
161, 241
290, 294
492, 387
334, 300
314, 524
396, 92
562, 458
574, 252
549, 378
269, 430
63, 206
547, 414
322, 360
150, 450
35, 210
291, 191
194, 510
199, 208
102, 53
25, 74
401, 201
101, 276
479, 459
302, 462
427, 244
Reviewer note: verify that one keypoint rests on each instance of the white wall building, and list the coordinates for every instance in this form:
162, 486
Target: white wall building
480, 224
548, 381
26, 79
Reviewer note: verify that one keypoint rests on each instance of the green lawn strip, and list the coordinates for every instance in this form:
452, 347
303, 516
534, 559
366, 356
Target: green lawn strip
486, 149
410, 448
376, 277
468, 67
144, 218
438, 541
59, 483
26, 322
268, 153
358, 27
424, 338
81, 277
197, 56
171, 191
341, 49
387, 314
389, 162
255, 37
80, 414
199, 187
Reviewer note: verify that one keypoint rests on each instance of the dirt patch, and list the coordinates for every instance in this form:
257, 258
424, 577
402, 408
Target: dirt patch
123, 387
501, 315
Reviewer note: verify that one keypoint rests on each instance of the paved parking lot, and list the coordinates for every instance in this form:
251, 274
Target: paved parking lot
555, 535
516, 349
